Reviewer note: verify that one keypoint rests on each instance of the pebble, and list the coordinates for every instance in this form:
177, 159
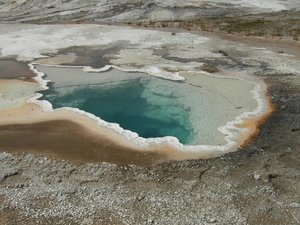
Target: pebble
212, 220
295, 205
256, 177
150, 221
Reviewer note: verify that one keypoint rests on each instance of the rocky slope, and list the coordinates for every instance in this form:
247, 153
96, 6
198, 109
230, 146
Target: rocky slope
255, 18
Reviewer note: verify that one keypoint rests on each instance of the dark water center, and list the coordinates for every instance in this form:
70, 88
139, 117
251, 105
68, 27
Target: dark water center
147, 106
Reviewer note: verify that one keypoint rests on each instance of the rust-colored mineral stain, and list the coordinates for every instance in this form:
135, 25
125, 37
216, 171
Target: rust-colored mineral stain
252, 124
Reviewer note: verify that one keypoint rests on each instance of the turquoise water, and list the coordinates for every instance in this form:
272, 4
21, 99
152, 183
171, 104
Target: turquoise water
133, 104
192, 110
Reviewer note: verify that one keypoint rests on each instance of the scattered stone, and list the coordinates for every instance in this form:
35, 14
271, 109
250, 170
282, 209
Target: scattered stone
150, 221
224, 53
208, 68
257, 177
212, 220
295, 205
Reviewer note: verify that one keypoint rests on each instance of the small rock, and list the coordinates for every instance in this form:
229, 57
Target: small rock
150, 221
256, 177
59, 180
212, 220
295, 205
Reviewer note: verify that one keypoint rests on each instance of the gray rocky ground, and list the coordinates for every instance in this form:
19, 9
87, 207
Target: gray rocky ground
260, 184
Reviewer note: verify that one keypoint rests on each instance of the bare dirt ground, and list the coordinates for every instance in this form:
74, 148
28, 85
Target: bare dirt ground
260, 184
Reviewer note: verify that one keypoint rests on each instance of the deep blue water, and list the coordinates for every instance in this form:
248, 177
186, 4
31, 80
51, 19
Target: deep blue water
132, 104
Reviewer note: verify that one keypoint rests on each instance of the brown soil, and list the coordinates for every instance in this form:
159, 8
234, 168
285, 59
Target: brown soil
69, 141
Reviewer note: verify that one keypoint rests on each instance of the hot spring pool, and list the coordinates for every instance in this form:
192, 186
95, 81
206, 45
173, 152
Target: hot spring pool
192, 111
